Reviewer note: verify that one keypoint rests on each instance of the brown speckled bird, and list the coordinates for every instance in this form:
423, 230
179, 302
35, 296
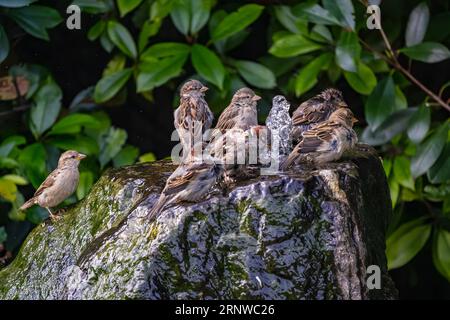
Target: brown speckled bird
326, 142
190, 182
193, 117
316, 110
59, 184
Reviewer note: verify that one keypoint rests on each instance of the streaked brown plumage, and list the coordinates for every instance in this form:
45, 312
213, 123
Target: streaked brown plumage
316, 110
59, 184
325, 142
193, 117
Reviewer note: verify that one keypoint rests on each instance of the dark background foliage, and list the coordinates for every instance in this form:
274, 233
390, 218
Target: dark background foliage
76, 63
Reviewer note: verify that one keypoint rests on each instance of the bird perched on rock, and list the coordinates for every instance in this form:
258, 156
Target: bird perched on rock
190, 182
326, 142
193, 117
60, 183
280, 124
316, 110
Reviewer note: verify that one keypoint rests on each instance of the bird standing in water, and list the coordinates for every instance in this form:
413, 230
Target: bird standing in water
59, 184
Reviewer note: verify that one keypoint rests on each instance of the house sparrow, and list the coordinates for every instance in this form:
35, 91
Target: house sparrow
316, 110
190, 182
193, 117
326, 142
59, 184
280, 124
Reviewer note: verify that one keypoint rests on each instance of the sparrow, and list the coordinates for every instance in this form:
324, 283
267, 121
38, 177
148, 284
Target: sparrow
316, 110
59, 184
326, 142
193, 117
279, 123
190, 182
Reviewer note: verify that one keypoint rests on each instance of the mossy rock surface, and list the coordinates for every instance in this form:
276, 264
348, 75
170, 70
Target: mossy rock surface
289, 236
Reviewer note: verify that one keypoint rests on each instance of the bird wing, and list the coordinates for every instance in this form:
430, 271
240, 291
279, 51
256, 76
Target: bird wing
309, 113
178, 183
227, 119
48, 182
316, 139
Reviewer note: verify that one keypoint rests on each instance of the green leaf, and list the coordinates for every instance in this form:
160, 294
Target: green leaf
85, 184
35, 20
406, 242
149, 29
441, 253
8, 190
73, 123
164, 50
113, 144
3, 234
21, 181
316, 14
321, 33
307, 77
180, 15
348, 51
106, 42
237, 21
122, 38
147, 157
419, 124
126, 6
440, 171
293, 45
10, 143
285, 16
208, 65
429, 52
32, 160
46, 108
417, 24
108, 86
342, 10
126, 156
429, 151
94, 6
4, 44
363, 81
256, 74
381, 103
15, 4
156, 73
79, 143
96, 30
402, 172
190, 16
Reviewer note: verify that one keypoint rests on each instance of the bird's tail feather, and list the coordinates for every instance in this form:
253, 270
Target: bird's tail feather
28, 204
157, 207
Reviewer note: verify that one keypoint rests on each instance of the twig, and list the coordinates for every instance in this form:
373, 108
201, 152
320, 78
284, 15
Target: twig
17, 109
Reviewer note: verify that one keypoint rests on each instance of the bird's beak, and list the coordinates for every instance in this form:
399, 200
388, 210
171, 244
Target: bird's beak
81, 156
354, 120
343, 105
256, 98
204, 89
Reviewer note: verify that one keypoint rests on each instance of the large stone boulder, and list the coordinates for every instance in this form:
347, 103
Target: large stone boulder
308, 235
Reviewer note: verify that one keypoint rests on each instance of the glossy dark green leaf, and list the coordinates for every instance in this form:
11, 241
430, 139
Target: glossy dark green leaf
429, 151
35, 19
236, 21
4, 44
363, 81
387, 166
208, 65
79, 143
106, 42
441, 252
126, 156
9, 143
15, 4
256, 74
94, 6
307, 77
342, 10
419, 125
96, 30
406, 242
348, 51
321, 33
381, 103
288, 20
440, 171
85, 184
402, 172
417, 24
73, 123
113, 144
164, 50
149, 29
126, 6
293, 45
122, 38
429, 52
155, 73
108, 86
316, 14
200, 11
46, 108
32, 160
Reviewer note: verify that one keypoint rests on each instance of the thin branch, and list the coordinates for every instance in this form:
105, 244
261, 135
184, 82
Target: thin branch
14, 110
